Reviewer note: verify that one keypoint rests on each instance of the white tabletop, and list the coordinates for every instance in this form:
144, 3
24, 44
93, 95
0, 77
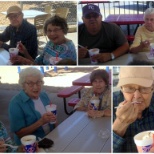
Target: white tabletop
4, 56
30, 13
79, 133
122, 60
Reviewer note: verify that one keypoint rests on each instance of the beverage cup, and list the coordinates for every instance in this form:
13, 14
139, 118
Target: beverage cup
152, 49
54, 60
92, 52
13, 52
95, 103
143, 144
52, 108
29, 143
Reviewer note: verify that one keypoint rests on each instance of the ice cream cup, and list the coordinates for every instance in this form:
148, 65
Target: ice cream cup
143, 141
92, 52
52, 108
13, 52
29, 143
95, 103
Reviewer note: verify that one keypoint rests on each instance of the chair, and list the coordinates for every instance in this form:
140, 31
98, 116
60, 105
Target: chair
39, 22
47, 9
62, 12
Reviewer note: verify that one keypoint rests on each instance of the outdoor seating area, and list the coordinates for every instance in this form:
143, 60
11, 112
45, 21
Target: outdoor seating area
77, 76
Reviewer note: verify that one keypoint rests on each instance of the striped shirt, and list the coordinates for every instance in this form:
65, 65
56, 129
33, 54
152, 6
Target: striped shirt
64, 51
126, 143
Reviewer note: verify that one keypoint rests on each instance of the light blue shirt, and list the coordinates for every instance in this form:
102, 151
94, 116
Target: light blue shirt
22, 114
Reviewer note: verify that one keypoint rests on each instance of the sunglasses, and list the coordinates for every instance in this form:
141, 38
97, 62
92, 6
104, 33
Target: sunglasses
94, 15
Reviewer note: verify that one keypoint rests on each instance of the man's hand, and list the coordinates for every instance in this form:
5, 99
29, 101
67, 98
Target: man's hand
82, 52
126, 114
102, 57
48, 117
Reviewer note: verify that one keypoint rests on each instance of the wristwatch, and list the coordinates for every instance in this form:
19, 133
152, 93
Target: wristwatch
112, 56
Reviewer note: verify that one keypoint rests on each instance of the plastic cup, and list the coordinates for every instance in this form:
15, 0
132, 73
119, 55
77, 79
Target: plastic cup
52, 108
143, 145
95, 103
13, 52
54, 60
29, 143
92, 52
152, 49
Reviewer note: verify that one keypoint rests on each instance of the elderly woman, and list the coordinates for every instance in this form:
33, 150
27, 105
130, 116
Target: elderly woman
145, 33
101, 89
27, 111
58, 47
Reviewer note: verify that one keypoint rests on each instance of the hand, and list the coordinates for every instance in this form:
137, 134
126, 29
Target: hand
17, 59
48, 117
2, 147
151, 150
22, 48
90, 107
127, 112
82, 52
95, 113
145, 43
103, 57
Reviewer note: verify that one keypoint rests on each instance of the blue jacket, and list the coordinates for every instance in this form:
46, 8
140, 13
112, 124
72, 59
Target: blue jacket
23, 114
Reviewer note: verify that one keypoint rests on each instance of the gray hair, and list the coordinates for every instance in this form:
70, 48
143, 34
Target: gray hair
148, 11
29, 71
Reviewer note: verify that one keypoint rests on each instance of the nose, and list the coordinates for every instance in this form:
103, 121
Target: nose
137, 94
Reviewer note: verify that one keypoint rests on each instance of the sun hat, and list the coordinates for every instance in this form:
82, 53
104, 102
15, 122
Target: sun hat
90, 8
13, 9
142, 76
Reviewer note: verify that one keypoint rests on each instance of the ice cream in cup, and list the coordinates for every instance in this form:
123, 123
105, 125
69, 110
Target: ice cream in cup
92, 52
54, 60
95, 102
29, 143
144, 141
13, 52
52, 108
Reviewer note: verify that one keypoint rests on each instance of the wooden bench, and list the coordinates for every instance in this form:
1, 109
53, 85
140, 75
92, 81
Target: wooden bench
67, 92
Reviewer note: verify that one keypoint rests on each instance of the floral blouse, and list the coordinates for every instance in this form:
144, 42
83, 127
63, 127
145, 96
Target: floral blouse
88, 94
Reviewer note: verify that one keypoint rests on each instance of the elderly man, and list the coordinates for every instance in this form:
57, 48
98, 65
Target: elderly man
145, 33
94, 33
135, 107
19, 30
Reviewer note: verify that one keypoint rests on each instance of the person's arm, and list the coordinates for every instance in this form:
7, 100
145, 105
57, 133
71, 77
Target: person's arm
46, 118
140, 41
5, 37
82, 105
82, 52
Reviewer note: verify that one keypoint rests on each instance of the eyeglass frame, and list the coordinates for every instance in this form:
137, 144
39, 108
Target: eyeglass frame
139, 89
31, 84
15, 16
55, 31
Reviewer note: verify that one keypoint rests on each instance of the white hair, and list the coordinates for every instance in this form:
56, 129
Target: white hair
29, 71
148, 11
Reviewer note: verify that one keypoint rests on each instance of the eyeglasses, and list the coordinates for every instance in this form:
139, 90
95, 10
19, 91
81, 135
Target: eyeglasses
142, 90
14, 16
93, 15
31, 84
54, 31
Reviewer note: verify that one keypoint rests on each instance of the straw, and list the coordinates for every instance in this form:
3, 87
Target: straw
82, 46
